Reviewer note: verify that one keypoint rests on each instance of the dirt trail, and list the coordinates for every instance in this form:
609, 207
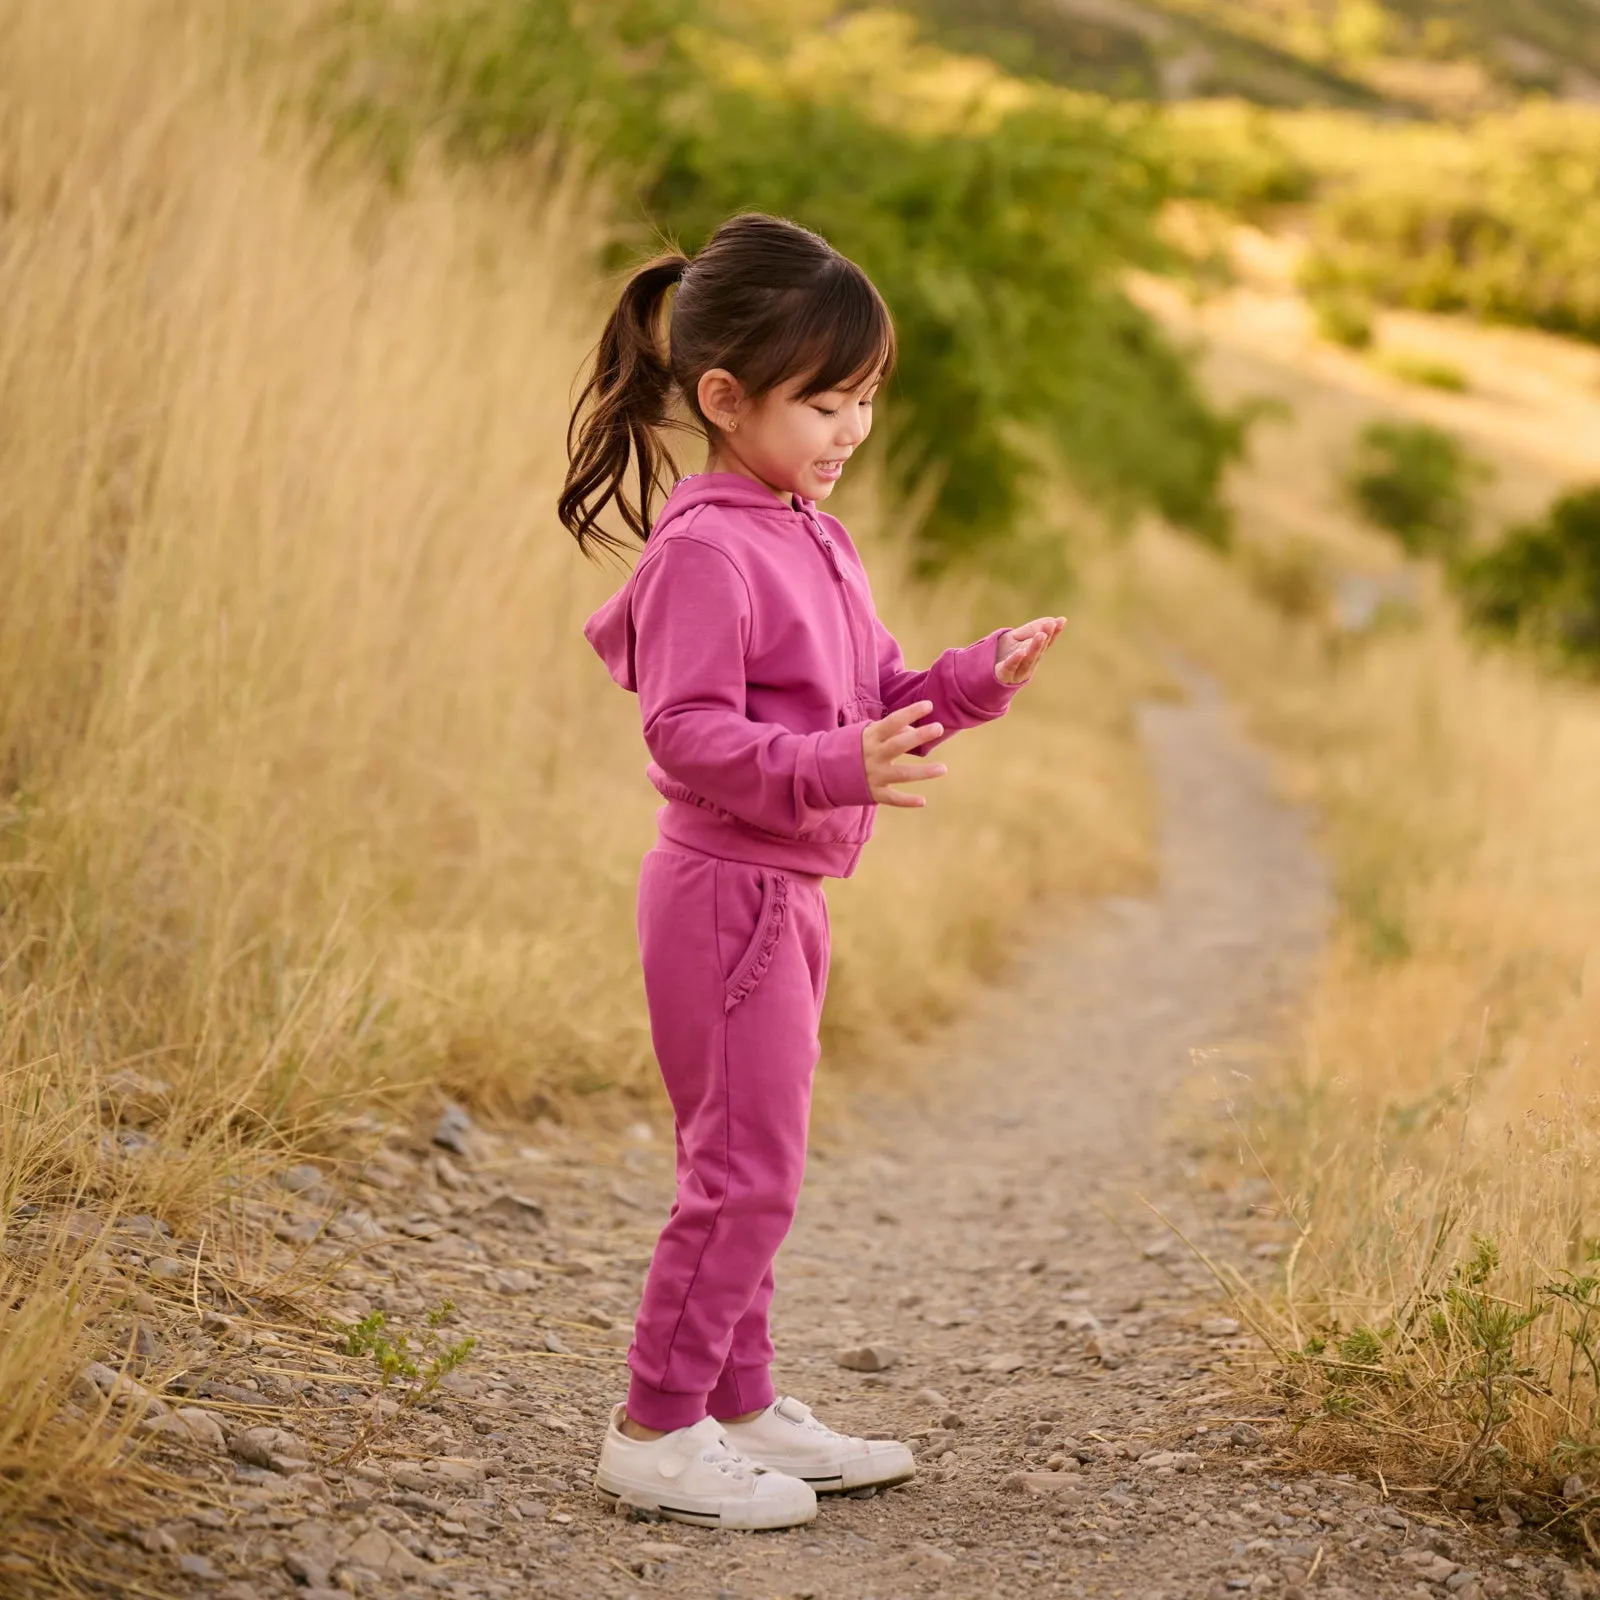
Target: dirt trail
1064, 1372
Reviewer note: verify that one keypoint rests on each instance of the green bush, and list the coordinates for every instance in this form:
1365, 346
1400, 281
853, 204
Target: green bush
1429, 371
1343, 318
1501, 221
996, 216
1415, 482
1542, 582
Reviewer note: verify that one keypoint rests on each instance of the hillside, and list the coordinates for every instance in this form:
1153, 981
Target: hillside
1446, 57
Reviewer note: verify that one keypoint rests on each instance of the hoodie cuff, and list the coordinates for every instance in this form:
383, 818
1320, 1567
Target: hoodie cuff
985, 696
842, 767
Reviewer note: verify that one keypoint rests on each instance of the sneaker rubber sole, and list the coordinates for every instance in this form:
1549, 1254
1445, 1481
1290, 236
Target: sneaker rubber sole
751, 1516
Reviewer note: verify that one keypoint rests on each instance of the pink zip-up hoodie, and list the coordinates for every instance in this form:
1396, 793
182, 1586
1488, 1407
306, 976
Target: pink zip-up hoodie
747, 630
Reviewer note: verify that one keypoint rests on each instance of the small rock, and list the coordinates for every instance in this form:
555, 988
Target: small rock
449, 1175
519, 1208
195, 1426
198, 1566
297, 1179
867, 1358
1160, 1247
513, 1280
1008, 1362
169, 1269
274, 1448
96, 1379
1245, 1435
309, 1567
1508, 1516
381, 1553
1220, 1327
454, 1131
1573, 1488
1158, 1458
1267, 1250
156, 1541
1041, 1483
144, 1226
555, 1344
305, 1231
1459, 1580
951, 1420
1107, 1347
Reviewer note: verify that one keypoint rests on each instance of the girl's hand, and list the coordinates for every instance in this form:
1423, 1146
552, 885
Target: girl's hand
884, 743
1018, 649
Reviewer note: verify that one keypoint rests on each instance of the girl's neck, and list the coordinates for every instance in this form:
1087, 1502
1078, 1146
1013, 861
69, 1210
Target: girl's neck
721, 459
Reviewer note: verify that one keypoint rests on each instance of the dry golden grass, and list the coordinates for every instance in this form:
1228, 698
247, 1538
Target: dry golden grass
1443, 1092
311, 795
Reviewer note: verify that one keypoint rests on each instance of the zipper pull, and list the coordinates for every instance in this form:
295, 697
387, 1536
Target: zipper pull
831, 548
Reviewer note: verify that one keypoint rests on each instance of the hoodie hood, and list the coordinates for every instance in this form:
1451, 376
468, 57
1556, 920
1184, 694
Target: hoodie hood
610, 630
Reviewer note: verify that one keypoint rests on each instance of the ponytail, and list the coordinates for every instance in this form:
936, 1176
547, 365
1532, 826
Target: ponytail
621, 411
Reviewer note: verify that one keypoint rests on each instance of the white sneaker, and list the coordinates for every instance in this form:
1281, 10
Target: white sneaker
787, 1438
694, 1475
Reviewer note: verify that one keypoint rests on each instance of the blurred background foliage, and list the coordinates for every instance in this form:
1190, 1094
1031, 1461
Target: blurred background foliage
996, 215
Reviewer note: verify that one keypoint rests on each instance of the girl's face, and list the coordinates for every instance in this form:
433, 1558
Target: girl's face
792, 445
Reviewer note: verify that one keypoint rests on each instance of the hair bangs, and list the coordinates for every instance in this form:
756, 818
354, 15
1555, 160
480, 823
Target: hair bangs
846, 337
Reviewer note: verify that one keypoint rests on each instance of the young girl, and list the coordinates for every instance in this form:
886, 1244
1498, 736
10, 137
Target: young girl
779, 714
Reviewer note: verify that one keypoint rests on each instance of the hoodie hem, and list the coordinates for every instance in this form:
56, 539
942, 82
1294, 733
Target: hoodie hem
692, 827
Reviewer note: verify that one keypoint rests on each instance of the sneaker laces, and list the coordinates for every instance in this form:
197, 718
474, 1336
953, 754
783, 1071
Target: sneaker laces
728, 1461
811, 1424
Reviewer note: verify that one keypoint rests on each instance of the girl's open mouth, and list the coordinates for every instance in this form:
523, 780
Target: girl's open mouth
829, 470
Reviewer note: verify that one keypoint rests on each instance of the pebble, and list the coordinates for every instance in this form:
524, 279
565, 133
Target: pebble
454, 1131
1220, 1327
274, 1448
867, 1358
1008, 1362
297, 1179
555, 1344
195, 1565
1106, 1347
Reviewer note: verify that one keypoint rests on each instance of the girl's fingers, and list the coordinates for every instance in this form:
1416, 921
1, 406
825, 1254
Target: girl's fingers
893, 797
911, 738
901, 773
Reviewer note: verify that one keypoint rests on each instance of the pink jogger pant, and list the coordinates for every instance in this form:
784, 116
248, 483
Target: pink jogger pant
735, 964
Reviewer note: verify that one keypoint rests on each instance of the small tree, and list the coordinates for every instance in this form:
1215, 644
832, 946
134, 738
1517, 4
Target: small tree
1415, 482
1542, 582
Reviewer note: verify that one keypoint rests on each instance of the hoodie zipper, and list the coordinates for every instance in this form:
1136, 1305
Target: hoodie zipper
831, 550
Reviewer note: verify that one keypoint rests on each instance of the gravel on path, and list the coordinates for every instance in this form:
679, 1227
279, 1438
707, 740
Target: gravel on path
978, 1268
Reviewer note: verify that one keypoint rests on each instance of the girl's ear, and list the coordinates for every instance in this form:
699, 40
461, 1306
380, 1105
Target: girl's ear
722, 399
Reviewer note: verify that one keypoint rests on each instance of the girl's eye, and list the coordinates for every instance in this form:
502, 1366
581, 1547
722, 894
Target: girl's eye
826, 411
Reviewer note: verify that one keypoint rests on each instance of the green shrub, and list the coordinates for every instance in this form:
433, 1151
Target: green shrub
1234, 155
1429, 371
1542, 582
1343, 317
996, 216
1501, 220
1415, 482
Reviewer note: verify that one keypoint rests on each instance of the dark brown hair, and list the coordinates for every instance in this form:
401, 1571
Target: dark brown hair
766, 300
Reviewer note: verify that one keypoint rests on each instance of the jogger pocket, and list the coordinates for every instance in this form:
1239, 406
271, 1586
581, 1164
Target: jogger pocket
753, 964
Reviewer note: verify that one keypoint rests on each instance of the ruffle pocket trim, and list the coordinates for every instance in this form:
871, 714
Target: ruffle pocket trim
764, 942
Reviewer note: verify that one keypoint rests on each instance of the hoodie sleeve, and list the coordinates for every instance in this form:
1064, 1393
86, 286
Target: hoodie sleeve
961, 683
691, 613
